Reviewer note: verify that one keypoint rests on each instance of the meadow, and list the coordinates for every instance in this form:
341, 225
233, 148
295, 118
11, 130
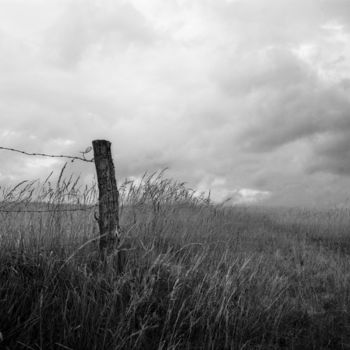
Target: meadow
197, 275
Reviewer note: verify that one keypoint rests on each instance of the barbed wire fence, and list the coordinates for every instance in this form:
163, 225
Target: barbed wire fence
108, 197
152, 193
83, 157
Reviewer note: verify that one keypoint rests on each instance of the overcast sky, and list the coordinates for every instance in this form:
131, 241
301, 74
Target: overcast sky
248, 98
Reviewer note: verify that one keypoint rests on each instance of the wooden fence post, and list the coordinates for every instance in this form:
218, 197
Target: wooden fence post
108, 219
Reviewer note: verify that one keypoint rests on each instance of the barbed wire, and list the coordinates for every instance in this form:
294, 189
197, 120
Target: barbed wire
52, 155
46, 210
83, 158
52, 210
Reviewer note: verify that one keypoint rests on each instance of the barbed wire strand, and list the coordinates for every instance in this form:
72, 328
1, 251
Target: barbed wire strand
46, 210
92, 206
49, 155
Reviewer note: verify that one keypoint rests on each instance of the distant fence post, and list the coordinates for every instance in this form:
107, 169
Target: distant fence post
108, 219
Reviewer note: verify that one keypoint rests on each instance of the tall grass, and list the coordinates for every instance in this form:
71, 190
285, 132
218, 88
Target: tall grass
197, 275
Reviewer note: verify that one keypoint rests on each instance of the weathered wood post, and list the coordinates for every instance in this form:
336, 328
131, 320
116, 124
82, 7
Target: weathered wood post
108, 219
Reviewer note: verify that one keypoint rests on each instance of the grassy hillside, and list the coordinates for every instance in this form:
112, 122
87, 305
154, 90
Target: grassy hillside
197, 276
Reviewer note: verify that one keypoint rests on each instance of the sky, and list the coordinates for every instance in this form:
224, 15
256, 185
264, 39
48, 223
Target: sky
249, 99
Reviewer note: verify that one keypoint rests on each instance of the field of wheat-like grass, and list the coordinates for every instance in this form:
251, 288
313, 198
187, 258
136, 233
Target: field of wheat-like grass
197, 275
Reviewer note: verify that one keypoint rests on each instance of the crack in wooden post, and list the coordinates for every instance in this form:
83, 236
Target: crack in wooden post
108, 219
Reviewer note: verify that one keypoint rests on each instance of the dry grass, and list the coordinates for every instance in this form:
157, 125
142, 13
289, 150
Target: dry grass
197, 276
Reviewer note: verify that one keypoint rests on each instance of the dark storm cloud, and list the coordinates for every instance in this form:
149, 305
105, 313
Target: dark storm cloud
306, 111
296, 114
284, 99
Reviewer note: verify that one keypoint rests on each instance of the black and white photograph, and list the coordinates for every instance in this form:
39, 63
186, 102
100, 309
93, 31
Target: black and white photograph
174, 174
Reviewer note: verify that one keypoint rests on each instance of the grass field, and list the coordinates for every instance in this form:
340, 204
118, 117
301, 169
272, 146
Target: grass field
197, 275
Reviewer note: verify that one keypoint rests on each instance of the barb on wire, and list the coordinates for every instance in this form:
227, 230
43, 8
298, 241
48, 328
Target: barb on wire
83, 158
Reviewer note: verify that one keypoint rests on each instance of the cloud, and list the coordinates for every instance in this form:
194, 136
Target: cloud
246, 98
289, 93
239, 196
332, 153
98, 27
278, 22
301, 108
296, 113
